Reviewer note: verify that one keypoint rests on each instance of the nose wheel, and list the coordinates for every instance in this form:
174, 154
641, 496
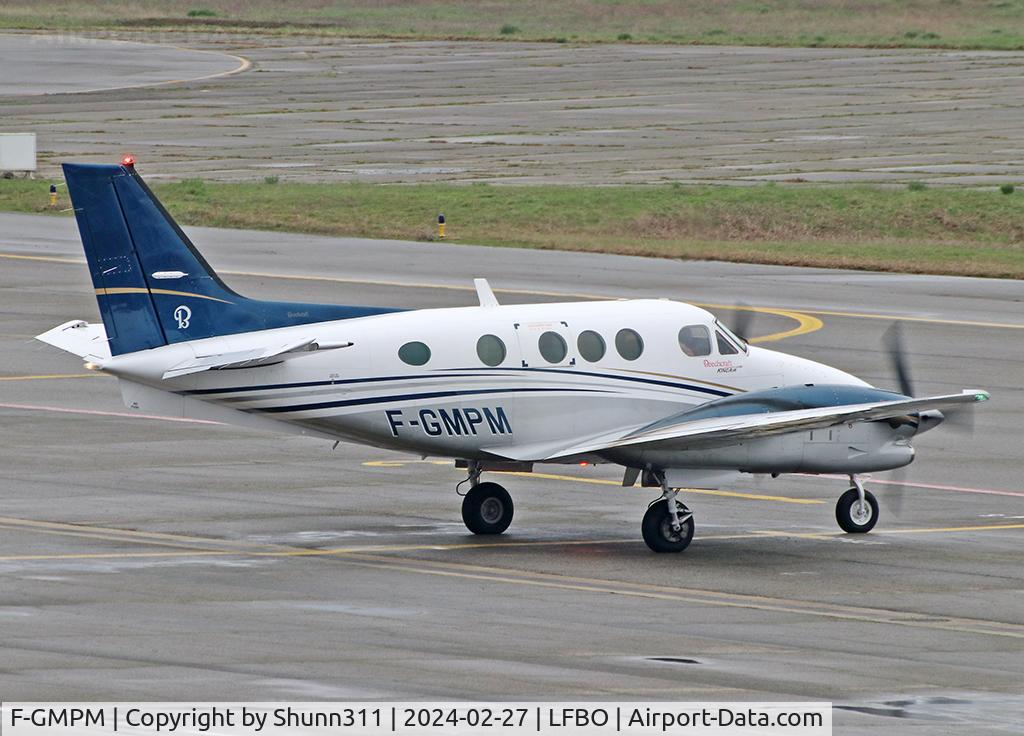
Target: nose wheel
487, 509
857, 509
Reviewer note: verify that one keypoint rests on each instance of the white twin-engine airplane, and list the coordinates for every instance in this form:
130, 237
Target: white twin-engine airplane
659, 387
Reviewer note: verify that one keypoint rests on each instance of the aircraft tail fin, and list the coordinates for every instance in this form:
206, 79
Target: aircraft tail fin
152, 285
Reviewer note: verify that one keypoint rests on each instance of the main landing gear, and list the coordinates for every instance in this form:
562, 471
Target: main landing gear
857, 509
668, 523
487, 508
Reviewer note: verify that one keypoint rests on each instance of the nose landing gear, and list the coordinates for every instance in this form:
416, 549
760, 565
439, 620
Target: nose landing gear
857, 509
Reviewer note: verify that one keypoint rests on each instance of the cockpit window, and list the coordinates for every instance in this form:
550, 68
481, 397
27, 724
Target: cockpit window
736, 339
724, 346
695, 340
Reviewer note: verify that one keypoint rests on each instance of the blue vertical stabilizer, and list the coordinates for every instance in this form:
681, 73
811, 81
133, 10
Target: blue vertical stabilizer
152, 285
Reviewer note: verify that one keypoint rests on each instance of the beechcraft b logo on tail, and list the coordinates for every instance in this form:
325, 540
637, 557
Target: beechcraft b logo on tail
183, 314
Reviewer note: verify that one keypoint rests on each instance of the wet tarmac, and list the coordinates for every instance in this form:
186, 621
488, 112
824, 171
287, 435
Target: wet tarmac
153, 560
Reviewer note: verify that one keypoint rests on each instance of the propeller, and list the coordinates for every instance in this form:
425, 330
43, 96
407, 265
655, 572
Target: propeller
896, 488
956, 419
893, 341
742, 319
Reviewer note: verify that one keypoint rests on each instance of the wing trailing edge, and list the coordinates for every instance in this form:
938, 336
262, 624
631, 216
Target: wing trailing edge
719, 431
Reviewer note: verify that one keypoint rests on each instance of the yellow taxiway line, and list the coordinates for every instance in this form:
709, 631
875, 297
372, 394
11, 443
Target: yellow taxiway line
185, 546
800, 315
51, 376
376, 556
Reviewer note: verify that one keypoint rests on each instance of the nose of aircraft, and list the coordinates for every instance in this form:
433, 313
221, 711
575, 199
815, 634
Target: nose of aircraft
796, 370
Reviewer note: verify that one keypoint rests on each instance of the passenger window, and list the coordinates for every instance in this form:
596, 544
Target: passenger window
414, 353
591, 346
724, 346
629, 344
552, 347
491, 350
695, 340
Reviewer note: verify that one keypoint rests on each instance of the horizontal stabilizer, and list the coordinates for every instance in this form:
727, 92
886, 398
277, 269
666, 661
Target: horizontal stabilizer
252, 358
87, 341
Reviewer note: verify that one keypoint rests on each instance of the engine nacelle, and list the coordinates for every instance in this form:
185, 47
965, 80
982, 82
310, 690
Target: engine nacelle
848, 448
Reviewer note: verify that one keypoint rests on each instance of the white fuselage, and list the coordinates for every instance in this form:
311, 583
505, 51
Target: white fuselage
454, 404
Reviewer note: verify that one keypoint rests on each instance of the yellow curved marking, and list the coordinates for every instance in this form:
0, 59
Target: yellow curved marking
805, 322
169, 292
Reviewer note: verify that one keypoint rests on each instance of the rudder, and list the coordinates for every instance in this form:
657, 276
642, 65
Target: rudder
126, 306
152, 285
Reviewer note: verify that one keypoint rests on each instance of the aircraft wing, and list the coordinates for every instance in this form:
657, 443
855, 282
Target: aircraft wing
251, 358
686, 434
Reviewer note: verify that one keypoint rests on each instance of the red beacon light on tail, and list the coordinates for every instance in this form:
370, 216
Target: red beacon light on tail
128, 161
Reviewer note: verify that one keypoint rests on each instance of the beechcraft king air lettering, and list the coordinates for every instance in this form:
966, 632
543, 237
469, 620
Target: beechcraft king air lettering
659, 387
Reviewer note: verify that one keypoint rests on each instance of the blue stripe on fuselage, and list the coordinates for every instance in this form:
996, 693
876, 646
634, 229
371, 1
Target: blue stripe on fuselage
672, 384
311, 384
348, 381
414, 397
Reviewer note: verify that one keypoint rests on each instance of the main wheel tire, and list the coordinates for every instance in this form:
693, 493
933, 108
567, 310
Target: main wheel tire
852, 517
658, 532
487, 509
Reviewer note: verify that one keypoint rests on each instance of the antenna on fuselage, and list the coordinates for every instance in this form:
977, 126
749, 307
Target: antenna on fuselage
484, 293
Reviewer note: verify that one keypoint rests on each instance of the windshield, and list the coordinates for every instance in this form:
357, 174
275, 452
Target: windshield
739, 341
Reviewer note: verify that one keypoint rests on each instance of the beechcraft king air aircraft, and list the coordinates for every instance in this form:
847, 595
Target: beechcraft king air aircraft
659, 387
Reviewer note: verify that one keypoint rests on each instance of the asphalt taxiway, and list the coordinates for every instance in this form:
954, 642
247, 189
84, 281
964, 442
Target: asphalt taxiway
326, 108
154, 560
67, 64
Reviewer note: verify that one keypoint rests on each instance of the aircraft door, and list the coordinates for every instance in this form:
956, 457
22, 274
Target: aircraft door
545, 344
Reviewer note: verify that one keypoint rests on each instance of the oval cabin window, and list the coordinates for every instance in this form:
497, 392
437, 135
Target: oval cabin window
491, 350
591, 346
552, 347
414, 353
629, 344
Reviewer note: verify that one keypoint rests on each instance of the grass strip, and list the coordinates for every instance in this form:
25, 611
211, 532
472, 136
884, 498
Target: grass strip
965, 24
931, 230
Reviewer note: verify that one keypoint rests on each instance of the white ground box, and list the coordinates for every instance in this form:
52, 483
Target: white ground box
17, 152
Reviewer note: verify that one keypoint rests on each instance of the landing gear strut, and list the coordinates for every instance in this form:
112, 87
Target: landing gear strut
668, 523
857, 509
487, 507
